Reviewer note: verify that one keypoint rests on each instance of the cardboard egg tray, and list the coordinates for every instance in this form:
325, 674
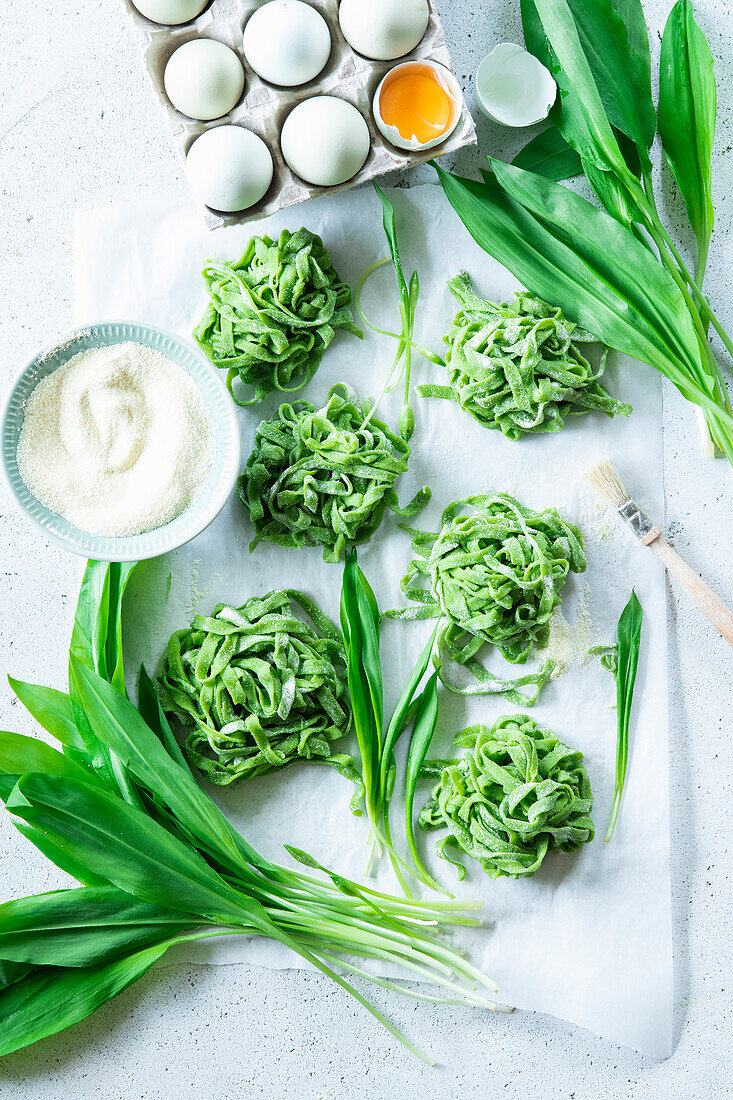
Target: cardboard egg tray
263, 107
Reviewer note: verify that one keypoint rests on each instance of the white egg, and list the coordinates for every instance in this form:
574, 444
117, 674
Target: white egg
203, 79
229, 168
383, 29
170, 12
325, 140
287, 42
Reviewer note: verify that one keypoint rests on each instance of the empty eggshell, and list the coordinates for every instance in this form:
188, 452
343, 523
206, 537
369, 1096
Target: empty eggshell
325, 140
229, 168
170, 12
513, 87
203, 79
286, 42
383, 29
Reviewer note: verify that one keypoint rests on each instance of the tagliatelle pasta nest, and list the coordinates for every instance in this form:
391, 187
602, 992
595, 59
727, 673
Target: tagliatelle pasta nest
495, 572
518, 367
517, 793
324, 477
261, 688
273, 312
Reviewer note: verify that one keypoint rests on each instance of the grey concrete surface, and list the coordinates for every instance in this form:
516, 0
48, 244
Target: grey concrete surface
78, 126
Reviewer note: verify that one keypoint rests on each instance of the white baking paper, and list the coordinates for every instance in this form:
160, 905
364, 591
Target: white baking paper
588, 938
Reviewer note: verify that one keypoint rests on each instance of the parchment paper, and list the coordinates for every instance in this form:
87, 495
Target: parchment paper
588, 938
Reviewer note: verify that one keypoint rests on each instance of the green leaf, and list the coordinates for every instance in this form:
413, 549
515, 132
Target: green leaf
354, 627
549, 155
51, 999
82, 927
632, 17
609, 250
91, 618
687, 107
96, 642
153, 715
612, 195
400, 718
51, 709
554, 36
11, 972
129, 849
119, 575
422, 735
606, 53
123, 731
59, 856
628, 641
20, 754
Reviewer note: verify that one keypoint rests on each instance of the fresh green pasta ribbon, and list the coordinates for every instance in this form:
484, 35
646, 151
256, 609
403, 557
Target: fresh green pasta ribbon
495, 572
517, 793
518, 367
324, 477
260, 687
273, 312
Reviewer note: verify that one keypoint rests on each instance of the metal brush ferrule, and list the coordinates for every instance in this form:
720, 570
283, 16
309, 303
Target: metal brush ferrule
637, 520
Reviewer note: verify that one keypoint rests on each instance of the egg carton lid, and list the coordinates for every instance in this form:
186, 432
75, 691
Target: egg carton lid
263, 107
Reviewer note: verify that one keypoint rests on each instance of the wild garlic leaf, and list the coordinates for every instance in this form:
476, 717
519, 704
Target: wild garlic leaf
581, 44
687, 108
618, 258
59, 855
20, 754
50, 999
130, 738
130, 849
51, 709
83, 926
549, 155
632, 17
628, 643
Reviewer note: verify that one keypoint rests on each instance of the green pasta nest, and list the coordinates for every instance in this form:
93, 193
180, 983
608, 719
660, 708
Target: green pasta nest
260, 687
519, 367
516, 793
324, 477
496, 573
273, 313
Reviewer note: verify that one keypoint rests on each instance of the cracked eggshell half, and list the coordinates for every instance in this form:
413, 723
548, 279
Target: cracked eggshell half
513, 87
417, 105
204, 79
325, 140
229, 168
383, 30
171, 13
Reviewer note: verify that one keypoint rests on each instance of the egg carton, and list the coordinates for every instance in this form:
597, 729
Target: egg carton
263, 107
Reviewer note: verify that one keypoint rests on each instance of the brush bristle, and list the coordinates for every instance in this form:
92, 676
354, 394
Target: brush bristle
604, 479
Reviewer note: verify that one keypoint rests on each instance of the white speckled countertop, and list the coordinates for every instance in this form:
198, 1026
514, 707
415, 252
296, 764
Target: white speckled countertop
79, 126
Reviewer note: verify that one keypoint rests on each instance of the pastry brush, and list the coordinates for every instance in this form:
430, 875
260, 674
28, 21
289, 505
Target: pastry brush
604, 479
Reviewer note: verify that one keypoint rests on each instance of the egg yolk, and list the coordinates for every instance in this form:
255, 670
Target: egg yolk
416, 104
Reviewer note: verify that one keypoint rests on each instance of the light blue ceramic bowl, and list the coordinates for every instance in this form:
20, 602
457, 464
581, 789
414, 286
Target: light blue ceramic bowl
225, 439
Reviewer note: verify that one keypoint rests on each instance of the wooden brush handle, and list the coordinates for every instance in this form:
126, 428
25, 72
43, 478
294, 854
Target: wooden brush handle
713, 608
